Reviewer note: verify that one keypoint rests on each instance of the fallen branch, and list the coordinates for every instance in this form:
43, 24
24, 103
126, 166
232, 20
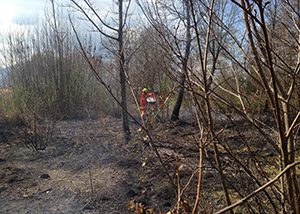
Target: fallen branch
258, 190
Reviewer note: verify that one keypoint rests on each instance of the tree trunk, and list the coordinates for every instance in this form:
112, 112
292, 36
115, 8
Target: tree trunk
183, 75
122, 74
61, 75
176, 110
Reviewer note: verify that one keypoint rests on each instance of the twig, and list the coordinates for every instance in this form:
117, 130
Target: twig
91, 183
293, 125
258, 190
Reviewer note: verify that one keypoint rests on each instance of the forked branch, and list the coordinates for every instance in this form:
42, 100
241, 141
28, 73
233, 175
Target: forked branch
243, 200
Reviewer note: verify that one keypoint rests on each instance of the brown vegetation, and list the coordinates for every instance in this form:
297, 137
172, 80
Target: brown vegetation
229, 73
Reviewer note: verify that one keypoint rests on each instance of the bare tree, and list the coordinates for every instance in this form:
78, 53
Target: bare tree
184, 61
176, 36
58, 41
117, 35
280, 98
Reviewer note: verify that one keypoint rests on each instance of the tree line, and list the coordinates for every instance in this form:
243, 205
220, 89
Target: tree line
224, 58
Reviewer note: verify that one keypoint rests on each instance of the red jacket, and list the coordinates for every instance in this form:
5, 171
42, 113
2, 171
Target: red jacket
143, 99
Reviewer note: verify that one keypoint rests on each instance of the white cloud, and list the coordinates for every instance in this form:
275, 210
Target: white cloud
6, 15
23, 15
19, 12
28, 12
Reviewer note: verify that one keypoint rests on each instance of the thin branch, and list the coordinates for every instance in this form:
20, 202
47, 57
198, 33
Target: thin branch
93, 23
97, 15
243, 200
292, 126
126, 14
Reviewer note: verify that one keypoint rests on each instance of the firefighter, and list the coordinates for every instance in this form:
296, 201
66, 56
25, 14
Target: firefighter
151, 100
143, 102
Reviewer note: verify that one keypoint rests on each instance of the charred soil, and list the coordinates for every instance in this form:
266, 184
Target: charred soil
88, 168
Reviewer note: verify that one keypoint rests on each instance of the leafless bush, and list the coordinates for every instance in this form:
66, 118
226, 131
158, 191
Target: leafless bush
38, 134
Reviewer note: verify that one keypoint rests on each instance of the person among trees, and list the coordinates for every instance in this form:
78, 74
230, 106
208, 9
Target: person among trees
148, 98
143, 102
152, 100
151, 97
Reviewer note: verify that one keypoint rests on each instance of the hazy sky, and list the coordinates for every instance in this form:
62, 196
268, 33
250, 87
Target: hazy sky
19, 14
16, 13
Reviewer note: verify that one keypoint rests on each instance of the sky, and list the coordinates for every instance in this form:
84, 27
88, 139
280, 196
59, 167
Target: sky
16, 14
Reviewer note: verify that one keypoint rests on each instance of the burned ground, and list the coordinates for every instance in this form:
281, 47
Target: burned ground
88, 168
